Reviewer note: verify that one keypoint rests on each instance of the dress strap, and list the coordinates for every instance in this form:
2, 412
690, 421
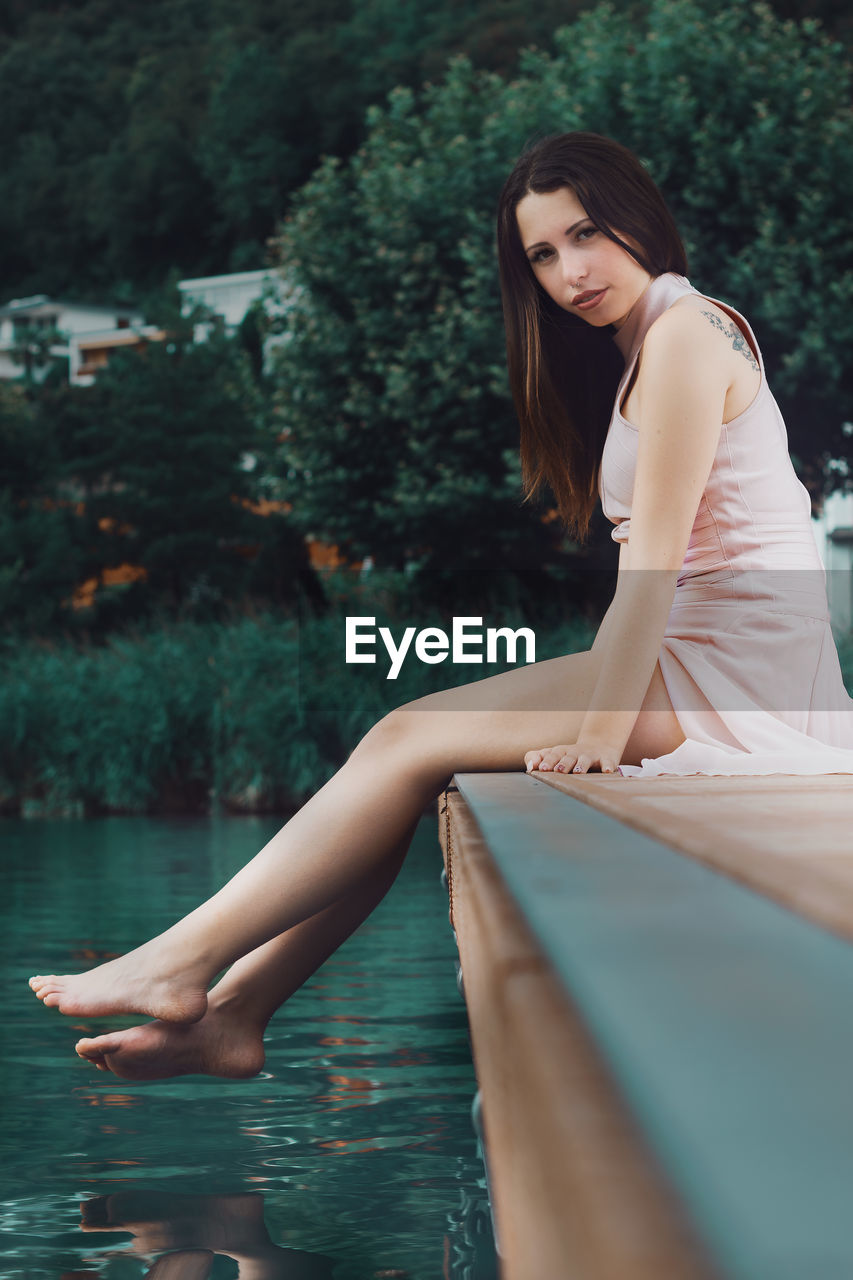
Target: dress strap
658, 296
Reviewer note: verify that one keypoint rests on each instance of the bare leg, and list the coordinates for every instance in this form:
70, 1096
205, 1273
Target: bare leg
351, 826
228, 1040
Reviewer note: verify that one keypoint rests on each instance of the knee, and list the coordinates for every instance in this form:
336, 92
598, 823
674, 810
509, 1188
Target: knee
389, 735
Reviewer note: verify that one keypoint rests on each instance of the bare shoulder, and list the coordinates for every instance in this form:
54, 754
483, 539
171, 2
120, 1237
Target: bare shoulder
690, 323
696, 328
694, 354
684, 350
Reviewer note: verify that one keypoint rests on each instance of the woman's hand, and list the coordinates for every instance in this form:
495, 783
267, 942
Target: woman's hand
576, 757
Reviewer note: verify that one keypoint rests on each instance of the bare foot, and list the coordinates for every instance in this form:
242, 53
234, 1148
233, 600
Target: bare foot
143, 981
220, 1044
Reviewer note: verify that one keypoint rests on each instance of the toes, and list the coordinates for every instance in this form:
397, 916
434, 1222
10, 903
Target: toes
97, 1046
44, 985
86, 1050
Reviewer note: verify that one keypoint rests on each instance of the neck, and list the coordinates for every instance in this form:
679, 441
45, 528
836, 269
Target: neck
617, 324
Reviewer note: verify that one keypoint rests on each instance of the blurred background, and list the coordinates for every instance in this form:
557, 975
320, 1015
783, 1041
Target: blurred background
252, 374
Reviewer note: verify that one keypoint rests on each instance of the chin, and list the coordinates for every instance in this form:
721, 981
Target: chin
597, 319
600, 321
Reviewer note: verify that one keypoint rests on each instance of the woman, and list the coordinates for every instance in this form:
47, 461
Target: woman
719, 603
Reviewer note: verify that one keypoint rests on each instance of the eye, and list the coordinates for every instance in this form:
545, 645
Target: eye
539, 256
586, 232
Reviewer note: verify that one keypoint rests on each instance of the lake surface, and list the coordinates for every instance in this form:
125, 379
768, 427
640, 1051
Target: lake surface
352, 1156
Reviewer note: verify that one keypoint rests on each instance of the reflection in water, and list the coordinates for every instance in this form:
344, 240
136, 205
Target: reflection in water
179, 1237
356, 1141
191, 1231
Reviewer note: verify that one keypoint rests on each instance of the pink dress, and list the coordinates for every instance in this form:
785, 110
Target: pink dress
748, 657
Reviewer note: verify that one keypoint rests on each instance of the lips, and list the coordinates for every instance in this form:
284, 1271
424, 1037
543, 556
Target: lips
588, 298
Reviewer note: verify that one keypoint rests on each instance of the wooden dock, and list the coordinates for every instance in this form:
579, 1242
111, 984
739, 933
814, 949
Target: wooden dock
659, 983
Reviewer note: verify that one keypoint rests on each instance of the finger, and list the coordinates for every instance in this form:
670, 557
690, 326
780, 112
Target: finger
565, 763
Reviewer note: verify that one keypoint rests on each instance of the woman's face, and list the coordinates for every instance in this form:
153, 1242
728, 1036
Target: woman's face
576, 264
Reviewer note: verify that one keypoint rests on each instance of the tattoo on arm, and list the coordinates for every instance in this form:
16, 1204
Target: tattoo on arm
731, 330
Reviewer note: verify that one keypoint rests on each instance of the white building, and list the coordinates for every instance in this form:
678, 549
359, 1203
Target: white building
34, 330
89, 352
229, 297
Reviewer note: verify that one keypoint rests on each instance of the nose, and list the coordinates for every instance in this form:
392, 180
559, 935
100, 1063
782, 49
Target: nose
573, 270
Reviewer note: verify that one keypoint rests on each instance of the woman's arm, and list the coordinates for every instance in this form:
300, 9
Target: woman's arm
680, 396
606, 624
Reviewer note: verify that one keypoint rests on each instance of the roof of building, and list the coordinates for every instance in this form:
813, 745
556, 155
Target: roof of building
41, 303
234, 277
119, 338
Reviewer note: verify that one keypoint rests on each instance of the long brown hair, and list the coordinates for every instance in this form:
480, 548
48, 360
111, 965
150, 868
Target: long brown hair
564, 372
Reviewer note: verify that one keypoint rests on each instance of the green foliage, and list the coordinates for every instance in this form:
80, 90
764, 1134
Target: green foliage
39, 563
140, 137
392, 386
156, 454
401, 439
160, 466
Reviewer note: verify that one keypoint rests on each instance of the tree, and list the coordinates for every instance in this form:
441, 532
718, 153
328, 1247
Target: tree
391, 379
39, 559
401, 438
154, 134
171, 133
163, 459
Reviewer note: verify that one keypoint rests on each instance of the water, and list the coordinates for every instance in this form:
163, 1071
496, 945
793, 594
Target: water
351, 1156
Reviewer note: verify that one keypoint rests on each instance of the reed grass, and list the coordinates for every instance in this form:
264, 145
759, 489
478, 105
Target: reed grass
249, 715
